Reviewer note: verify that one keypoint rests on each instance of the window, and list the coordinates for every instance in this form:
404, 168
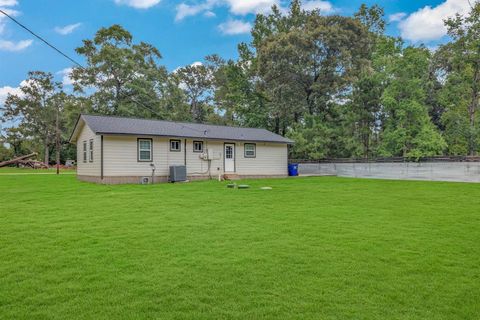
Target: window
174, 145
197, 146
144, 150
250, 150
84, 151
228, 152
90, 149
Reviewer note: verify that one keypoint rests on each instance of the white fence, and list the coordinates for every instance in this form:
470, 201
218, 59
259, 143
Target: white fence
435, 171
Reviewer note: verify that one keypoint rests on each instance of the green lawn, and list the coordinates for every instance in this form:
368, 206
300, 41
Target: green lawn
11, 170
310, 248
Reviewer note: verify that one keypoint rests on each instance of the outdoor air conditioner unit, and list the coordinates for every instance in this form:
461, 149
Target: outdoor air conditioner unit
178, 173
145, 180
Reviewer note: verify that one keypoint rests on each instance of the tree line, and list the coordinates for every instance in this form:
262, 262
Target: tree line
338, 86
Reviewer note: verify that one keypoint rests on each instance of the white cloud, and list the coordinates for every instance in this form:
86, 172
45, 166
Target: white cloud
3, 19
4, 91
233, 27
426, 24
66, 76
323, 6
193, 64
185, 10
138, 4
242, 7
396, 17
67, 29
209, 14
236, 7
2, 25
6, 45
8, 3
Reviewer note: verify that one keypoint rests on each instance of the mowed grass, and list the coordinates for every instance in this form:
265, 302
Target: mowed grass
310, 248
14, 170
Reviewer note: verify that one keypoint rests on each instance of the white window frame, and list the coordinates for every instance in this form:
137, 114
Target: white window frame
179, 145
90, 150
150, 150
196, 143
85, 151
246, 152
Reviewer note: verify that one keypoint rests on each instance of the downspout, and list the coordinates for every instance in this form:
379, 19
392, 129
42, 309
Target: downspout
101, 157
185, 152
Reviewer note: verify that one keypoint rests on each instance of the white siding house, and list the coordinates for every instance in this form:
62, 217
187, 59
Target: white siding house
123, 150
90, 166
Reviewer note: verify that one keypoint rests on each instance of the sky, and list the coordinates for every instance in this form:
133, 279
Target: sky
184, 31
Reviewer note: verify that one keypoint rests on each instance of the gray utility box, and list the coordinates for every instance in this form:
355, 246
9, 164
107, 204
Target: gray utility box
178, 173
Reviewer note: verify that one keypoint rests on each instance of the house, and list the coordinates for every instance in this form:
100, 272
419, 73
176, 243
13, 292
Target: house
114, 150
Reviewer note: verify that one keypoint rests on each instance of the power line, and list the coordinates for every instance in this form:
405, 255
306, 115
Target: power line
66, 56
40, 38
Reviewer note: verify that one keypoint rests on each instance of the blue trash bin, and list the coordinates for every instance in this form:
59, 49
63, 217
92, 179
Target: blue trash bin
293, 169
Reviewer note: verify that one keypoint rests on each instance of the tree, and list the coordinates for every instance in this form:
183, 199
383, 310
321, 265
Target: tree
5, 153
408, 130
364, 114
363, 118
306, 62
312, 139
174, 103
454, 98
337, 85
35, 108
125, 77
15, 138
196, 81
372, 18
461, 64
237, 96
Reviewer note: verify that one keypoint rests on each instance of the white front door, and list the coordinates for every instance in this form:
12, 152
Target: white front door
229, 157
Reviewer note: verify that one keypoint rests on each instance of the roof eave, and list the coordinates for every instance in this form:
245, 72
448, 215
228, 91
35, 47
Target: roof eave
75, 132
189, 137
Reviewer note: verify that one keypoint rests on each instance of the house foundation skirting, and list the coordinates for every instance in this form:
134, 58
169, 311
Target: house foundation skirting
159, 179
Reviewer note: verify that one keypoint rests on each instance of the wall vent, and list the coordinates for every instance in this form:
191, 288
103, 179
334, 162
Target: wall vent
145, 180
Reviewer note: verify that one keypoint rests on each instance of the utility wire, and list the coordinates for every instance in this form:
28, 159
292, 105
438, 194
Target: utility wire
66, 56
39, 37
77, 63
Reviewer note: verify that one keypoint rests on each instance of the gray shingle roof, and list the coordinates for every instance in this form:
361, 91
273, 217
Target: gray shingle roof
144, 127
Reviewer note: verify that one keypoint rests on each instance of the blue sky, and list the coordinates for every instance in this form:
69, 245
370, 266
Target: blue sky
183, 31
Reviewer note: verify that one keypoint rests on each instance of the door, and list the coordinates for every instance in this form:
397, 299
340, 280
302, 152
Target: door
229, 157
